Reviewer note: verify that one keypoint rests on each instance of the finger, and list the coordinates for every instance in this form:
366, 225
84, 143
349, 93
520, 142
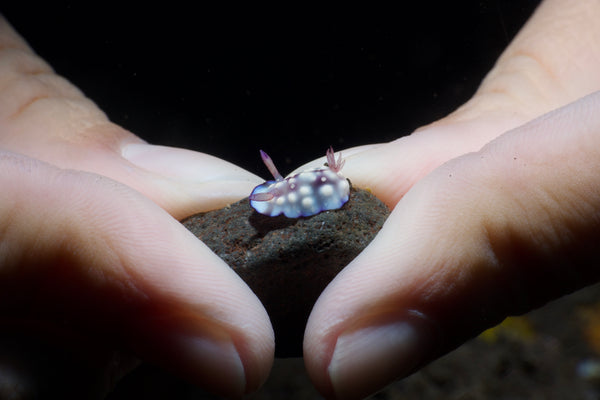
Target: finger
106, 260
390, 169
489, 234
44, 116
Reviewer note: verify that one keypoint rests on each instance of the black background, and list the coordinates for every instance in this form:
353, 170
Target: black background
292, 81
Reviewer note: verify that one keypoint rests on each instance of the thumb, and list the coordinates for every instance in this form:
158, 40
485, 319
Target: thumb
489, 234
84, 253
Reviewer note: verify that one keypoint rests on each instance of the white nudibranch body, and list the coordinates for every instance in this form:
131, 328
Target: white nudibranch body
304, 194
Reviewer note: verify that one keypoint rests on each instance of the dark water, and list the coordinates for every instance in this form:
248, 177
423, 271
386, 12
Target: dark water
292, 82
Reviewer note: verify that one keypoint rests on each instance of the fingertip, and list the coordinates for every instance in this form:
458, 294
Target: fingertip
182, 164
224, 341
188, 182
368, 358
317, 353
114, 264
225, 352
257, 358
195, 181
389, 170
376, 321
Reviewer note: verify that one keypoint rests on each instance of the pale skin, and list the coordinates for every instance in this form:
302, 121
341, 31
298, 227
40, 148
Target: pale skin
496, 210
90, 236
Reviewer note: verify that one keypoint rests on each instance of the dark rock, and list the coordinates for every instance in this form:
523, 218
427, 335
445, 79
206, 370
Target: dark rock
288, 262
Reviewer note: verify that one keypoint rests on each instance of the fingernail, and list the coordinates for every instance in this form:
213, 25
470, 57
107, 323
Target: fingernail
215, 364
368, 359
182, 164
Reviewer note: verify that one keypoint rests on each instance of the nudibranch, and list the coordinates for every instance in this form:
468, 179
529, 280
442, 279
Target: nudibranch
304, 194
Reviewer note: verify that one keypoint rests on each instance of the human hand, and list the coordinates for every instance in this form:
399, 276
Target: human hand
494, 215
94, 261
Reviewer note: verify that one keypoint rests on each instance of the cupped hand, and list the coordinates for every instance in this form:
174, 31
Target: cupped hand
93, 259
496, 211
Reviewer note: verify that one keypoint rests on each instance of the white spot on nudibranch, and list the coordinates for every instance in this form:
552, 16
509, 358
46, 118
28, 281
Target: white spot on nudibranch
304, 194
305, 191
326, 190
307, 176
